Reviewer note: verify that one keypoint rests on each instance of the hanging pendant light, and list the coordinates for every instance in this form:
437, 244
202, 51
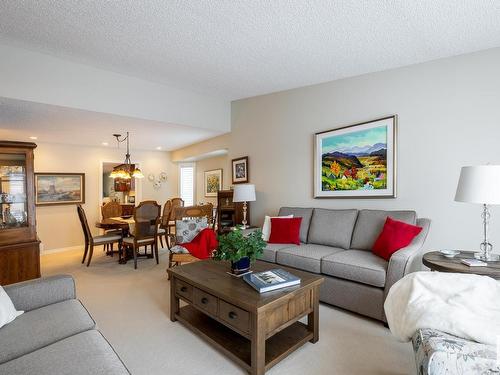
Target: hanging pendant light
124, 170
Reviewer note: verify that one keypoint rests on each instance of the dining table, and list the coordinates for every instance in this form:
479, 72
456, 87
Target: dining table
125, 224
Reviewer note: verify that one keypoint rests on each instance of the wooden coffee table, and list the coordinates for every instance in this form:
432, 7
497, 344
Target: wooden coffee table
254, 330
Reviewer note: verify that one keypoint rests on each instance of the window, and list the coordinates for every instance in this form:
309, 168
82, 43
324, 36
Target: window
186, 183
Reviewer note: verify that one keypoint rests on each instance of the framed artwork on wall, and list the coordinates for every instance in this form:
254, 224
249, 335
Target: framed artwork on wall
356, 161
240, 170
59, 188
213, 182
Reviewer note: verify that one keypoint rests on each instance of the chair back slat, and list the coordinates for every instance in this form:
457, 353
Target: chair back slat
83, 221
165, 217
205, 210
147, 218
176, 202
111, 209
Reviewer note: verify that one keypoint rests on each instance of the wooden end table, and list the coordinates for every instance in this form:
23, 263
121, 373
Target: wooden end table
254, 330
438, 262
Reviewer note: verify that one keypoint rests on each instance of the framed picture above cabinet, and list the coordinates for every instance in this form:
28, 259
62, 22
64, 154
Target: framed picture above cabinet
240, 170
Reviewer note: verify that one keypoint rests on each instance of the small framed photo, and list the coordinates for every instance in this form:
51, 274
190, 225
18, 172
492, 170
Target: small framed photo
213, 182
240, 170
59, 188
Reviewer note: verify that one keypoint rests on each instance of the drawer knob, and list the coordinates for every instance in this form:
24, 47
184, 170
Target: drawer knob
184, 289
204, 300
232, 315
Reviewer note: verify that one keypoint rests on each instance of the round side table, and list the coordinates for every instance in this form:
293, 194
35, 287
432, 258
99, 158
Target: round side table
438, 262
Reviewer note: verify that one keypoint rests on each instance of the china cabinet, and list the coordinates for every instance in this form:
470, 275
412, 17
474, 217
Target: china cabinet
19, 244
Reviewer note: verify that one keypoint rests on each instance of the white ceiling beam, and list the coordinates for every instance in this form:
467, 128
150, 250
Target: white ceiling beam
36, 77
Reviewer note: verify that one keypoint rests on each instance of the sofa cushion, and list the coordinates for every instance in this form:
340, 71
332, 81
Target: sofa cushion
332, 227
304, 213
370, 223
43, 326
356, 265
306, 257
85, 353
269, 254
285, 230
393, 237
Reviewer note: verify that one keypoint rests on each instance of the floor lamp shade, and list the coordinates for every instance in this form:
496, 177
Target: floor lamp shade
479, 184
244, 193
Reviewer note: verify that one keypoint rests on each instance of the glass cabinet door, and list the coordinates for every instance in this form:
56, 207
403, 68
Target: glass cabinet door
13, 202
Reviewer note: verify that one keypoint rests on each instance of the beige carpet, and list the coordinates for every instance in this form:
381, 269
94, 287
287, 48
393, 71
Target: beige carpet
131, 308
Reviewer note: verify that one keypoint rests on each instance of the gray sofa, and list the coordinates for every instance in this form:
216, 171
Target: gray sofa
337, 244
55, 335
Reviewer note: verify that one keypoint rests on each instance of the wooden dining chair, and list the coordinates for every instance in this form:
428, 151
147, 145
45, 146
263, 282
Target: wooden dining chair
91, 241
145, 233
164, 221
205, 210
176, 202
111, 209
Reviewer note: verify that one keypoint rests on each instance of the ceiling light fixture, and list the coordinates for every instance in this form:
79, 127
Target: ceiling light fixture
105, 143
126, 170
33, 138
158, 148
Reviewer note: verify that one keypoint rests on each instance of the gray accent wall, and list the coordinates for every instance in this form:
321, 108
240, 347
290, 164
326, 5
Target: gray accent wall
449, 116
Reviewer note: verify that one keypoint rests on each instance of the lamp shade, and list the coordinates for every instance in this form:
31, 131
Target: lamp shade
244, 193
479, 184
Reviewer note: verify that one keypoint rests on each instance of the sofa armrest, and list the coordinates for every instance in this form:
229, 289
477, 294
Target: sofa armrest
32, 294
407, 259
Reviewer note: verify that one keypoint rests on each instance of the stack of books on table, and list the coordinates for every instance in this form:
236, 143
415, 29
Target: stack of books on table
267, 281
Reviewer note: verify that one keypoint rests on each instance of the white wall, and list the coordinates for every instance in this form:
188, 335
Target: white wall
37, 77
219, 162
449, 116
58, 226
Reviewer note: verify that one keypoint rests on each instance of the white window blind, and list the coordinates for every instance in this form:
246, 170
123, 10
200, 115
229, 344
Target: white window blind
186, 182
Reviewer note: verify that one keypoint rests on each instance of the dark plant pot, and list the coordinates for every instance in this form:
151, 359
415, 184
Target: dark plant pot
241, 266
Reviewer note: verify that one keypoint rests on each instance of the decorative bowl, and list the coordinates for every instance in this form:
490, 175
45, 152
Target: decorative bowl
449, 253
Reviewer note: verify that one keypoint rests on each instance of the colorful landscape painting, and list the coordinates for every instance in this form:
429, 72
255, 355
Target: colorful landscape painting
355, 159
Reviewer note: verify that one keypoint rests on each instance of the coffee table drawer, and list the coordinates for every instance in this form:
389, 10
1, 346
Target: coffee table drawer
184, 289
205, 301
234, 316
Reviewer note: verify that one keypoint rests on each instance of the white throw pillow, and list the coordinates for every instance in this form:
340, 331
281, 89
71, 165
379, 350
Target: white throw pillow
7, 310
266, 228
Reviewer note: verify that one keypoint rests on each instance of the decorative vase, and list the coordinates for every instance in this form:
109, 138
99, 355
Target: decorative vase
240, 266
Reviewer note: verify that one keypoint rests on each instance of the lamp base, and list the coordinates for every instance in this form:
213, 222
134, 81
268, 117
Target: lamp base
487, 257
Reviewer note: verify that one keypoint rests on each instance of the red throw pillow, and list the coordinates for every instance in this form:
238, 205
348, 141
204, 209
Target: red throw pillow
394, 236
285, 230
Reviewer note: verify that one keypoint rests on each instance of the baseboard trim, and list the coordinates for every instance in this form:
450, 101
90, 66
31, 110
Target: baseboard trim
60, 250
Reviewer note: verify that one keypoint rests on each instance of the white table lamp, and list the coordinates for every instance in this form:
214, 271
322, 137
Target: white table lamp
481, 185
244, 193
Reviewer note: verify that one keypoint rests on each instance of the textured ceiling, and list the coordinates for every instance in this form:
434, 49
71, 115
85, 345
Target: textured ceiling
242, 48
20, 120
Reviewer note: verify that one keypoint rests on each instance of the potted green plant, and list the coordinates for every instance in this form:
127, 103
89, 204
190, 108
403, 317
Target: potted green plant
241, 250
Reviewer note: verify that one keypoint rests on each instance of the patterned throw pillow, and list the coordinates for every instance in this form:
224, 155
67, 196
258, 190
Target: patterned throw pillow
187, 229
178, 249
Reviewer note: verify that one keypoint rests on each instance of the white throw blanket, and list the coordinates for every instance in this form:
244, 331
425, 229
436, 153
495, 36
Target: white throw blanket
463, 305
